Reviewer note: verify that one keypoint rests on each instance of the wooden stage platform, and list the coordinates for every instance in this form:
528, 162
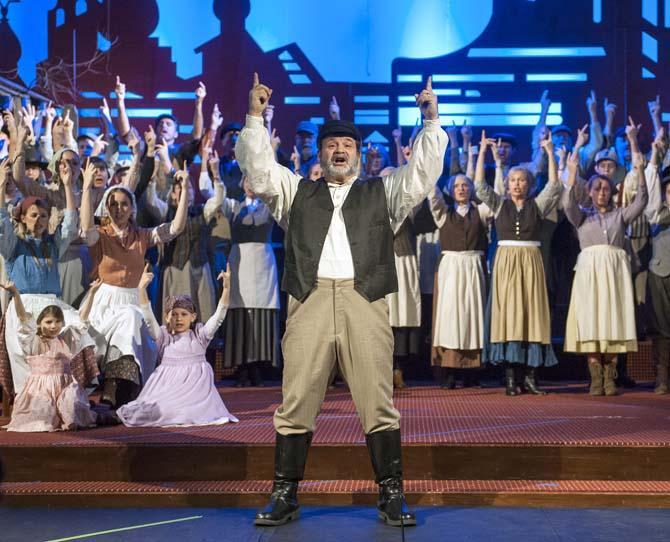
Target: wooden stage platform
461, 447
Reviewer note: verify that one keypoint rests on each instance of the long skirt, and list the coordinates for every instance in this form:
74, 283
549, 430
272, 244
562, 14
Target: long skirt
458, 329
35, 304
251, 335
405, 304
51, 399
601, 317
119, 329
194, 281
179, 392
517, 326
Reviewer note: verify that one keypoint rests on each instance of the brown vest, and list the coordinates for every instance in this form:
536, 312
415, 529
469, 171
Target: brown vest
460, 233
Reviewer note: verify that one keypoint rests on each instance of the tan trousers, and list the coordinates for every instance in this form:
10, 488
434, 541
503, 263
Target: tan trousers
336, 324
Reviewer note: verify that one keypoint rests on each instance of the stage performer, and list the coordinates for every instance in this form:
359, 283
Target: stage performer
458, 325
658, 283
601, 317
181, 391
51, 399
117, 246
31, 258
518, 324
251, 329
339, 266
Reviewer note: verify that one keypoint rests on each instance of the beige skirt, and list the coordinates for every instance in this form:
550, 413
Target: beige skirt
519, 304
601, 317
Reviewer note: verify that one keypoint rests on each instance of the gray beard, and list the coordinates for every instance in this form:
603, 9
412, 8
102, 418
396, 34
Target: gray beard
340, 173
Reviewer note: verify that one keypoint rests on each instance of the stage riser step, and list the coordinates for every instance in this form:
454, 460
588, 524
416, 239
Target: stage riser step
546, 493
331, 462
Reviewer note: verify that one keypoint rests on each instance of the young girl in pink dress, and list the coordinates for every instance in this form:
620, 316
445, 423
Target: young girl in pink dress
181, 390
51, 399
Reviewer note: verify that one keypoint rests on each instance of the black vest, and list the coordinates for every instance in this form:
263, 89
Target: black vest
367, 222
514, 225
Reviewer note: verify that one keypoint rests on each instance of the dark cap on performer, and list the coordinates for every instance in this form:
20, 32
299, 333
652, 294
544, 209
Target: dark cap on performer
339, 128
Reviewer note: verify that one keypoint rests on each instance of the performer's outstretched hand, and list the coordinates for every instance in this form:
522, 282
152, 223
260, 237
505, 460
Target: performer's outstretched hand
259, 97
225, 292
427, 101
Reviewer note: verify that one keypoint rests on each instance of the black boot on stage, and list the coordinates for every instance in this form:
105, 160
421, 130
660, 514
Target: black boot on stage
384, 448
255, 375
448, 381
530, 382
510, 381
243, 376
290, 458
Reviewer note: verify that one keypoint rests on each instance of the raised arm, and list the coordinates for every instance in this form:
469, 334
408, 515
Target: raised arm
274, 184
122, 118
569, 196
18, 303
548, 198
87, 305
438, 207
179, 222
198, 118
408, 185
454, 154
484, 192
7, 234
608, 131
655, 114
147, 313
656, 211
588, 152
219, 315
86, 210
637, 206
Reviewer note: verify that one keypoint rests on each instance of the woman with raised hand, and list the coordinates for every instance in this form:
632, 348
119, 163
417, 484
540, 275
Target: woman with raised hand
601, 317
458, 326
31, 258
117, 246
518, 316
251, 329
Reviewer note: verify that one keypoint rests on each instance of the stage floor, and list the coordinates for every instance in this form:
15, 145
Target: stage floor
568, 416
461, 447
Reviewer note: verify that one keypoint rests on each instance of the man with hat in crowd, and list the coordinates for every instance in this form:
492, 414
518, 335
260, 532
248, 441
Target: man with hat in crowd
231, 175
305, 142
339, 266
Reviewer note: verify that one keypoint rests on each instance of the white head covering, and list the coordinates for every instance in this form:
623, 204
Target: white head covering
102, 210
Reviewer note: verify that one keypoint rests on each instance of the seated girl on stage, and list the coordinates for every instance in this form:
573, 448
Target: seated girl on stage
51, 398
181, 390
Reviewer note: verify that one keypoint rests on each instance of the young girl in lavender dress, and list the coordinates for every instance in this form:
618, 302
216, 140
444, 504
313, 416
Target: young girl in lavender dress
181, 390
51, 399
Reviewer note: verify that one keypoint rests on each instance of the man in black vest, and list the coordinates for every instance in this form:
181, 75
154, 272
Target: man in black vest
339, 266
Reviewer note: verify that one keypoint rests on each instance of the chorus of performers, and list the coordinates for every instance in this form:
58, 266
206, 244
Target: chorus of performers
110, 295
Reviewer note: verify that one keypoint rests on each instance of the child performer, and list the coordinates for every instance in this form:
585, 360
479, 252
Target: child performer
51, 399
181, 390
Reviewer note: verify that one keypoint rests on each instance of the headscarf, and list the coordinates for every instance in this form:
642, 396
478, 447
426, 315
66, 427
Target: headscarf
180, 302
56, 158
102, 210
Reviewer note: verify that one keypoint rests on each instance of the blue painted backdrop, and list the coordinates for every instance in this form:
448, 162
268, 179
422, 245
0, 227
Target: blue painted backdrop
490, 60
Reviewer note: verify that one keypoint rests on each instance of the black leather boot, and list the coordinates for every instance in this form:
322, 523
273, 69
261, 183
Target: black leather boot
384, 448
510, 381
530, 382
448, 380
290, 458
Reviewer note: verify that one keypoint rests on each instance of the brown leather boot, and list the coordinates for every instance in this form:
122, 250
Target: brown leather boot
596, 371
609, 375
398, 382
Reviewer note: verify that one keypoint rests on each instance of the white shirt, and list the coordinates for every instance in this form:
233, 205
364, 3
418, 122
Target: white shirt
277, 186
